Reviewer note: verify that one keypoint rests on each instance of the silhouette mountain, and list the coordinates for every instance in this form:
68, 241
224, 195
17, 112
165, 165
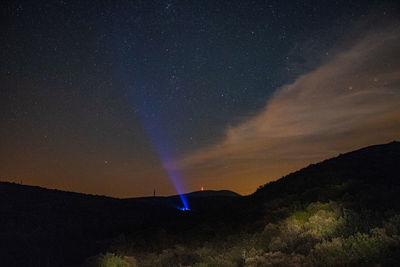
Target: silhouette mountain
365, 179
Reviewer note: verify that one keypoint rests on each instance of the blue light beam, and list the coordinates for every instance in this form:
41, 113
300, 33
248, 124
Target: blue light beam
144, 92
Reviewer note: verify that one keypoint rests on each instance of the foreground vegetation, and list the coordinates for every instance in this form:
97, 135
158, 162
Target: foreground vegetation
322, 234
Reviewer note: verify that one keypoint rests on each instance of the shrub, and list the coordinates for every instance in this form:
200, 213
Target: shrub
265, 237
392, 226
356, 249
323, 224
112, 260
277, 259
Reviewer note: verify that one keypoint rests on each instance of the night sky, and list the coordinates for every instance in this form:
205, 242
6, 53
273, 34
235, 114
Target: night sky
121, 97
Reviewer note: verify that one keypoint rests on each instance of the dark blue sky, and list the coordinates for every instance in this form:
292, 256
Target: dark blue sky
125, 81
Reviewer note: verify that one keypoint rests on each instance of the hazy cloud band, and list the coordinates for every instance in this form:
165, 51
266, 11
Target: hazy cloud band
349, 102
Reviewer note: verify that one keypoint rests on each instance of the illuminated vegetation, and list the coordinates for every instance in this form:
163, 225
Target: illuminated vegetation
319, 235
113, 260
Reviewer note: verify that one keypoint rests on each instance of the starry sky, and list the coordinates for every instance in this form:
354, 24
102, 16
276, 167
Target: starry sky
120, 97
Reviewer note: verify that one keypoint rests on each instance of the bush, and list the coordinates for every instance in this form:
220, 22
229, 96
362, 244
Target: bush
323, 224
356, 249
277, 259
112, 260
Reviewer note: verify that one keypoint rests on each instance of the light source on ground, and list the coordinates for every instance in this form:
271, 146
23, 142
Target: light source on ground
183, 208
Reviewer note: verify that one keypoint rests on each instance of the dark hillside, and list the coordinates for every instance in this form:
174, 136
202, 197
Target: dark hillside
368, 178
373, 165
43, 227
198, 201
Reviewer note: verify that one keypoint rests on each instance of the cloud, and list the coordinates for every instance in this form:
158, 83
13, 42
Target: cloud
349, 102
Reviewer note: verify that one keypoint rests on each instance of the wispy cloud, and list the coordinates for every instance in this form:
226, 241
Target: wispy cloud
349, 102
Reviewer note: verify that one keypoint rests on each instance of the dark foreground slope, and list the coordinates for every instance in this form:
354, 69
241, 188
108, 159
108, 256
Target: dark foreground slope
42, 227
